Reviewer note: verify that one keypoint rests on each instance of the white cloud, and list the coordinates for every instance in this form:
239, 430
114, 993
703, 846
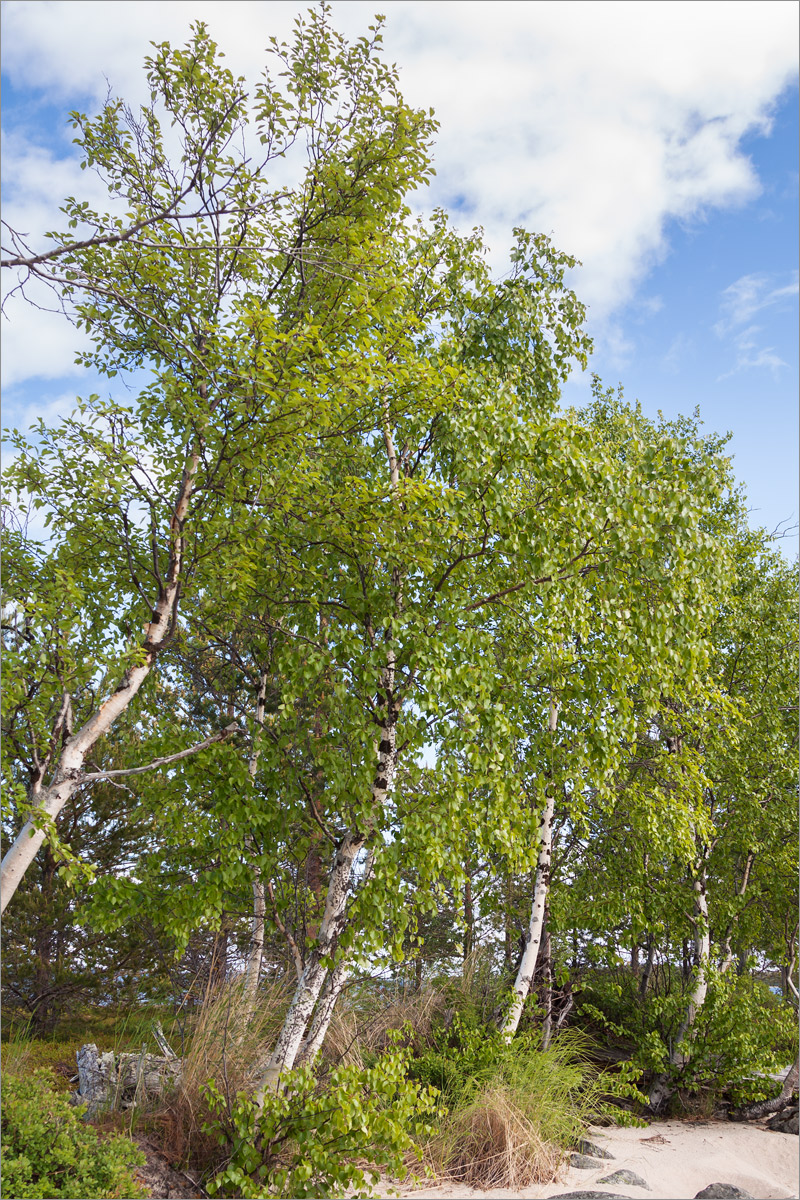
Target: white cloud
739, 303
749, 355
598, 122
751, 294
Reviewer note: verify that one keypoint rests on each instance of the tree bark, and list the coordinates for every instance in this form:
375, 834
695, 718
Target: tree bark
469, 913
644, 981
47, 802
661, 1088
547, 982
754, 1112
527, 967
323, 1014
310, 984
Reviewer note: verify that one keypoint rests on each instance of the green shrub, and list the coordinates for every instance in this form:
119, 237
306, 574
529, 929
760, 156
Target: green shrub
48, 1152
462, 1051
741, 1032
309, 1139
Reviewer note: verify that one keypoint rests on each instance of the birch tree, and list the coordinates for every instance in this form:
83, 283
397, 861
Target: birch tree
222, 284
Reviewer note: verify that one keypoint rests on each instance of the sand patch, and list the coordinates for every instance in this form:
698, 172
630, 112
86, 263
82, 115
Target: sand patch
676, 1158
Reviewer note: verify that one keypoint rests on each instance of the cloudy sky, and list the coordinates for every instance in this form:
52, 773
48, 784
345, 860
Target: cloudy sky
656, 141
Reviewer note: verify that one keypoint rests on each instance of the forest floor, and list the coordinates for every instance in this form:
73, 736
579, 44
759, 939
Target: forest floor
676, 1159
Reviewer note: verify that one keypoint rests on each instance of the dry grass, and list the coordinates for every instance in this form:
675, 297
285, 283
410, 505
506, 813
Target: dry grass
414, 1012
491, 1144
227, 1045
514, 1122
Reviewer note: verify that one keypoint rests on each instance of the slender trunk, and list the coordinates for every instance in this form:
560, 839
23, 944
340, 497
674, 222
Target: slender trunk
340, 884
43, 1016
47, 802
256, 952
547, 979
635, 959
310, 984
680, 1052
726, 958
332, 989
218, 971
527, 967
469, 914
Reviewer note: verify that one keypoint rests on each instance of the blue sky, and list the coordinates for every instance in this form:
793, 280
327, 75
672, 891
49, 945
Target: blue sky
656, 141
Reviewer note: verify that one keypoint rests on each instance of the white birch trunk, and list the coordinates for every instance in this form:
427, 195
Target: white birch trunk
312, 1042
310, 984
702, 949
67, 777
293, 1035
334, 918
527, 967
661, 1088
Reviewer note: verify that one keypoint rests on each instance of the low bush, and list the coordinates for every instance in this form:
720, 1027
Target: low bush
321, 1137
742, 1033
48, 1152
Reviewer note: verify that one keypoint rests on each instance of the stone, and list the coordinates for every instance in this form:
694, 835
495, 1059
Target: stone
723, 1191
584, 1163
590, 1196
592, 1149
626, 1176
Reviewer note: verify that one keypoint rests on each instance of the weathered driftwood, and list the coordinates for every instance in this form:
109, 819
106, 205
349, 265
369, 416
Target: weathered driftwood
754, 1112
113, 1081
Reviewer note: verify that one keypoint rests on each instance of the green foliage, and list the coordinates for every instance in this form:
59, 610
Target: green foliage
48, 1151
741, 1031
519, 1109
310, 1138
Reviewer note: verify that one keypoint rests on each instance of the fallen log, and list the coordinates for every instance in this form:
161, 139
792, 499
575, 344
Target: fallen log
119, 1081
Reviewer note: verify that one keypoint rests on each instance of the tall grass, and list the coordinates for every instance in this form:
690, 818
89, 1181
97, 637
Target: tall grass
226, 1045
512, 1123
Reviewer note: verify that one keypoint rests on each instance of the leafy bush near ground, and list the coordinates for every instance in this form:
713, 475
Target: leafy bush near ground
312, 1138
48, 1152
741, 1032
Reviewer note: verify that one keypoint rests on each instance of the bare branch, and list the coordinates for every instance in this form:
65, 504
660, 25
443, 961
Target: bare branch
228, 731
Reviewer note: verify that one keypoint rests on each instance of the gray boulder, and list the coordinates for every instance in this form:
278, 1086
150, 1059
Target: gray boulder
592, 1149
626, 1176
785, 1121
590, 1196
723, 1191
584, 1163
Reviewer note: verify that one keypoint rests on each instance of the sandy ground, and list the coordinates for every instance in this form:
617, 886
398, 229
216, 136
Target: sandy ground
676, 1158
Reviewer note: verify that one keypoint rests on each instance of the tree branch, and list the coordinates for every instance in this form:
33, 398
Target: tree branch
170, 758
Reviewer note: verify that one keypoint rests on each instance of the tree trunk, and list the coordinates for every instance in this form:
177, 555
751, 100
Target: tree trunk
754, 1112
547, 982
644, 982
527, 967
341, 882
469, 914
47, 802
312, 1043
661, 1088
